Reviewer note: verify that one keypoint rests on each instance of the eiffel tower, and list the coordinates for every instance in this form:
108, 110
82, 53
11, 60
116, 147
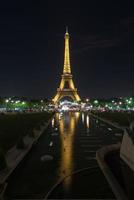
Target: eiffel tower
66, 88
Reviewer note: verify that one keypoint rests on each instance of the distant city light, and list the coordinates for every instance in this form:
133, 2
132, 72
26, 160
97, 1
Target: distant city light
96, 101
130, 102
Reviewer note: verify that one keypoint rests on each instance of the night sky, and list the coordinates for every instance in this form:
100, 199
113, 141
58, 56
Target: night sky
32, 47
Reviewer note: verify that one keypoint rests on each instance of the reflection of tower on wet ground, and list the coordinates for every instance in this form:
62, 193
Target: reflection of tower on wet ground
66, 119
67, 127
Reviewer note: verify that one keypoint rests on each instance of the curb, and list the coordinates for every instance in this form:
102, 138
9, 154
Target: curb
100, 155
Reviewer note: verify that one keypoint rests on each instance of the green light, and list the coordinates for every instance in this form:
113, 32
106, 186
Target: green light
96, 101
129, 102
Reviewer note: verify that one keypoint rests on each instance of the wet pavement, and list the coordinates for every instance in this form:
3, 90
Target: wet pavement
72, 147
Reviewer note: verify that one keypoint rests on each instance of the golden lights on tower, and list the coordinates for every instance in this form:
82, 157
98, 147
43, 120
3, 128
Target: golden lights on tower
66, 88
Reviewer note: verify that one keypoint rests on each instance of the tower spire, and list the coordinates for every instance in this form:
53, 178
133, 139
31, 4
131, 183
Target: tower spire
67, 67
66, 29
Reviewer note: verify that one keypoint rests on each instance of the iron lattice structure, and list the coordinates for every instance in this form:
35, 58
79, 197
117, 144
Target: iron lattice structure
66, 88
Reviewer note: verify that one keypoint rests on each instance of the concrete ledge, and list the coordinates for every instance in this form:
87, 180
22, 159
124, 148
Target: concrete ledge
2, 190
127, 150
4, 174
100, 155
15, 156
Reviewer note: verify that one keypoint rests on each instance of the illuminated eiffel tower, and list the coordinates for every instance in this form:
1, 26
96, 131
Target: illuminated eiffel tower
67, 88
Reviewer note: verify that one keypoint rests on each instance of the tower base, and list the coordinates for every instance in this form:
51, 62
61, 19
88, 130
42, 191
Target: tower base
66, 93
